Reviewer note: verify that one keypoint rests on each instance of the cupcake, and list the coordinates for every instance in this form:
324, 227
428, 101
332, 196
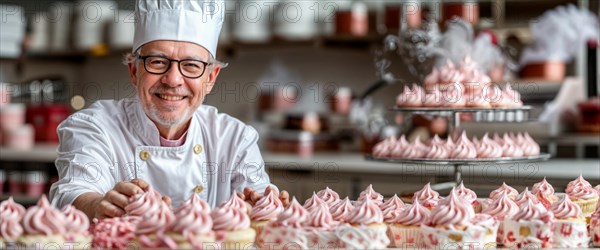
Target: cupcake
329, 196
264, 211
405, 229
511, 192
365, 230
77, 225
544, 192
288, 230
235, 201
529, 146
502, 208
391, 209
464, 149
232, 228
320, 232
595, 227
43, 226
371, 194
468, 195
313, 202
433, 98
383, 149
140, 204
526, 196
11, 214
488, 148
115, 233
510, 147
192, 227
570, 230
581, 192
340, 211
597, 188
392, 203
437, 151
427, 197
532, 226
151, 230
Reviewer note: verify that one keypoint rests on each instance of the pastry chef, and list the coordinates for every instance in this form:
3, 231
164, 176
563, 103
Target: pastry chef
163, 138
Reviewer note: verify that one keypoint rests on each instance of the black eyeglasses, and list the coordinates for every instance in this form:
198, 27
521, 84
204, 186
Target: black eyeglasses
159, 65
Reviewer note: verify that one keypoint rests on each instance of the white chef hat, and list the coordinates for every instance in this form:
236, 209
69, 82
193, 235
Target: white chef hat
196, 21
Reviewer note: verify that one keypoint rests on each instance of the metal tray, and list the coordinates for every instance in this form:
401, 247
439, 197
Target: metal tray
514, 114
442, 109
478, 161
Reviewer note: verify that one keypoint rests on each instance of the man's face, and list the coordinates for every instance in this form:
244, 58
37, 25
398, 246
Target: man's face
170, 99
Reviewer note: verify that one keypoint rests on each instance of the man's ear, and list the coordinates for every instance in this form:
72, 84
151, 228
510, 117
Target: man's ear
212, 78
132, 68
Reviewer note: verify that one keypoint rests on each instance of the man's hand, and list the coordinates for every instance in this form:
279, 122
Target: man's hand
251, 196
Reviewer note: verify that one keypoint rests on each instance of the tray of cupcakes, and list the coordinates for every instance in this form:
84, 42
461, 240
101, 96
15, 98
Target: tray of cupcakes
539, 218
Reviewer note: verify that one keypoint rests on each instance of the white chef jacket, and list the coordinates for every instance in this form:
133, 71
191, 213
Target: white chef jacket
114, 141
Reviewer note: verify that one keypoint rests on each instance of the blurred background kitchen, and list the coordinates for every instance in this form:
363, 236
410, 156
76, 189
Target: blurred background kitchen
316, 78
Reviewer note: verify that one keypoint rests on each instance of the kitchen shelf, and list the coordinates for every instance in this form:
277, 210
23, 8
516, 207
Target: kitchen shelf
21, 198
43, 152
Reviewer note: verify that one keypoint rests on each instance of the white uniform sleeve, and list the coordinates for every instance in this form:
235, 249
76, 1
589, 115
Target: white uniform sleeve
84, 163
249, 170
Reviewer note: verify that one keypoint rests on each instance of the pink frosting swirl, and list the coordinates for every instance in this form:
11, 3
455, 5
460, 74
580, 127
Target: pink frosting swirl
437, 151
413, 215
487, 148
229, 219
267, 208
197, 203
436, 140
597, 188
44, 219
114, 233
393, 202
328, 196
399, 147
452, 211
465, 193
453, 96
464, 149
427, 196
414, 150
510, 192
433, 98
371, 194
320, 217
510, 148
449, 145
367, 213
384, 148
294, 216
449, 74
530, 211
525, 196
313, 202
566, 209
341, 209
141, 204
543, 187
76, 221
191, 220
156, 220
10, 230
511, 97
411, 97
579, 182
529, 146
582, 193
10, 210
236, 202
502, 207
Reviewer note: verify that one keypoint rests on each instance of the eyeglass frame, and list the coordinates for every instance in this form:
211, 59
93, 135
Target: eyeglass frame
143, 58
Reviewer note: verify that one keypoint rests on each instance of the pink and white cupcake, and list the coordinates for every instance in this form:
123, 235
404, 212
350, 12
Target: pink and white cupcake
511, 192
77, 226
235, 201
532, 226
449, 145
468, 195
232, 228
140, 204
329, 196
502, 208
427, 196
464, 149
365, 230
414, 150
453, 95
529, 146
192, 227
264, 211
401, 145
570, 230
405, 229
581, 193
383, 149
393, 203
43, 226
115, 233
597, 188
320, 233
510, 147
526, 196
391, 209
595, 227
544, 192
288, 231
434, 98
11, 214
487, 148
340, 210
313, 202
151, 230
437, 151
370, 193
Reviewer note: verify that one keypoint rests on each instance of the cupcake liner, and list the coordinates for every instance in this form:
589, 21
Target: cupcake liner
78, 241
595, 231
363, 237
472, 237
283, 238
526, 234
500, 235
321, 239
239, 239
258, 226
406, 236
587, 206
571, 234
54, 241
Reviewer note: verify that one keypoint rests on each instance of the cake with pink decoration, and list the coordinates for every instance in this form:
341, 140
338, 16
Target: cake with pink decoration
570, 230
11, 214
140, 204
288, 230
44, 226
235, 201
526, 196
371, 194
405, 229
583, 194
454, 222
488, 148
544, 192
114, 233
595, 227
365, 228
496, 193
341, 209
320, 231
427, 197
391, 209
469, 196
77, 225
531, 227
265, 210
329, 196
502, 208
192, 227
465, 149
151, 231
232, 228
313, 202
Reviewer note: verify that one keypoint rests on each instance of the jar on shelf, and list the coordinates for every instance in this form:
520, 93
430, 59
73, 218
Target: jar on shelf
305, 144
35, 183
467, 10
20, 138
15, 182
341, 100
353, 21
12, 116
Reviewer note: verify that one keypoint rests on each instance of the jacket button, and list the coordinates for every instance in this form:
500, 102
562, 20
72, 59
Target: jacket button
197, 149
198, 189
144, 155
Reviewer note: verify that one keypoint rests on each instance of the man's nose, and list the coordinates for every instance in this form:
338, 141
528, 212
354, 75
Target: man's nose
173, 77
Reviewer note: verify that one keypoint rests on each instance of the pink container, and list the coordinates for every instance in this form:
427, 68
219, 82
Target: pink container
21, 138
35, 183
4, 94
12, 116
15, 183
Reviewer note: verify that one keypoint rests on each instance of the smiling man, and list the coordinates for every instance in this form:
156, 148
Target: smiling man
164, 138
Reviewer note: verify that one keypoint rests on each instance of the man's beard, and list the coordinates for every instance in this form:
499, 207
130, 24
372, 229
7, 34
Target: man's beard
167, 121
